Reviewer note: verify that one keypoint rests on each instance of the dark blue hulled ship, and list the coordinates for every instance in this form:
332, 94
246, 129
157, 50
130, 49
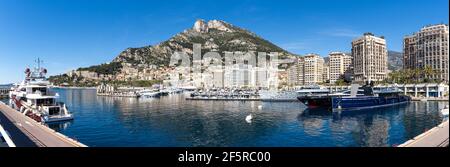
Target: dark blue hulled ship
356, 98
372, 98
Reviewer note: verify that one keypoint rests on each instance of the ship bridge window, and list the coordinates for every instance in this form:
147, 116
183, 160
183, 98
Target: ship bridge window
53, 111
44, 102
42, 90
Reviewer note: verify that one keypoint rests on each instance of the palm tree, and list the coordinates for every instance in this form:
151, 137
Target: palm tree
410, 76
393, 76
416, 74
428, 72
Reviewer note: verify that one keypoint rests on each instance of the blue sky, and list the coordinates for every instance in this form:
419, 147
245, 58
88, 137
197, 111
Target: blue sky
71, 34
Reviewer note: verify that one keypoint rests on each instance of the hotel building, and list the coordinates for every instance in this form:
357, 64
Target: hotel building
369, 58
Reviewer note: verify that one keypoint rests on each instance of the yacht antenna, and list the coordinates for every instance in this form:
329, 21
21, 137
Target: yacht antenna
39, 61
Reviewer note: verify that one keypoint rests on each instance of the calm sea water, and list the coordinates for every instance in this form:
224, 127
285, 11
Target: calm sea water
173, 121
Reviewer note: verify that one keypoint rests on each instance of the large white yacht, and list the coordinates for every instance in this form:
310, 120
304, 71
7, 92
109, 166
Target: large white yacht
33, 98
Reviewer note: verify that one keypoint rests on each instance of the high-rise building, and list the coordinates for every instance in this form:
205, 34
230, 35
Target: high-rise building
326, 73
428, 47
339, 64
301, 71
409, 52
369, 58
313, 69
293, 76
295, 72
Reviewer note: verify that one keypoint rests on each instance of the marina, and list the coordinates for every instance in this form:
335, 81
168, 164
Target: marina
214, 83
135, 92
222, 99
175, 121
225, 116
109, 90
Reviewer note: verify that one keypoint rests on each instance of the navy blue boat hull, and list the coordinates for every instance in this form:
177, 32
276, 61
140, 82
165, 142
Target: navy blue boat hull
349, 103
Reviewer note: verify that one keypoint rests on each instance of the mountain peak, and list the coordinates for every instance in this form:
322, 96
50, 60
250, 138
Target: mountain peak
201, 26
213, 35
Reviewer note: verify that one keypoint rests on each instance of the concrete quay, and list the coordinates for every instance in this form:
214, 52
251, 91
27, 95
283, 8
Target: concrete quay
25, 132
435, 137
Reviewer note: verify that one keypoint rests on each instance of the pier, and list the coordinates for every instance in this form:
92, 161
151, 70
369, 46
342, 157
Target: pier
109, 90
25, 132
435, 137
223, 99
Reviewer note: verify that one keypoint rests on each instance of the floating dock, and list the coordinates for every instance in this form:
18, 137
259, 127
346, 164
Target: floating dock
118, 95
25, 132
241, 99
435, 137
223, 99
429, 99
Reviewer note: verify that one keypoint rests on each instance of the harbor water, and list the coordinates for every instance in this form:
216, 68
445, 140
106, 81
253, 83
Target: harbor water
173, 121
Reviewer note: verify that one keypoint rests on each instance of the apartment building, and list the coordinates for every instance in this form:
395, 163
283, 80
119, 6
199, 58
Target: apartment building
313, 69
340, 64
428, 47
369, 58
296, 71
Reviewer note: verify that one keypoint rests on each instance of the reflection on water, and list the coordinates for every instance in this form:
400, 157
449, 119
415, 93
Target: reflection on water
173, 121
59, 126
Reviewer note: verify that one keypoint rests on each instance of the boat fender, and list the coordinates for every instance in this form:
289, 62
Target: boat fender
26, 111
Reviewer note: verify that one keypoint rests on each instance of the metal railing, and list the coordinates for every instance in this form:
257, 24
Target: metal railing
6, 137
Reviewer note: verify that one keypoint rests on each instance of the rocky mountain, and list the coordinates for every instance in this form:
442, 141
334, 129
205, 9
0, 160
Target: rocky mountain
395, 60
213, 35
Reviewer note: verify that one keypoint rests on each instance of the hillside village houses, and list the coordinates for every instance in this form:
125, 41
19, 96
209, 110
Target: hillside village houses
234, 75
128, 72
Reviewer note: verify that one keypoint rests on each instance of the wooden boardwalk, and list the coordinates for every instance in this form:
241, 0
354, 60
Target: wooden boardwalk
33, 133
435, 137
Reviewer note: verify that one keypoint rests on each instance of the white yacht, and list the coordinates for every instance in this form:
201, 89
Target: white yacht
33, 98
313, 90
149, 93
273, 95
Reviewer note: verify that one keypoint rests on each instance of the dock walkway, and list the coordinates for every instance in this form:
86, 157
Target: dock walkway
27, 132
435, 137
